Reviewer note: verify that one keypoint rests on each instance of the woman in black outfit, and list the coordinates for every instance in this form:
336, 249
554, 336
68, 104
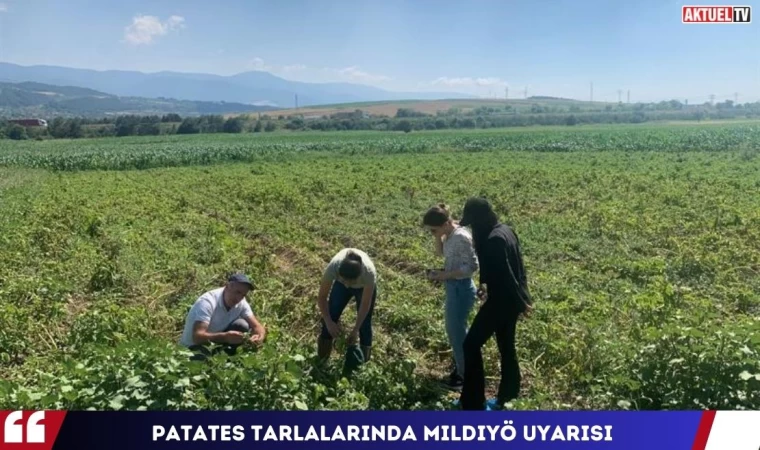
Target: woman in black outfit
505, 296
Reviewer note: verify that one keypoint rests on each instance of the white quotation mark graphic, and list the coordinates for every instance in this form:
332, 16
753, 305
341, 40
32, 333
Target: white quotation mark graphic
14, 432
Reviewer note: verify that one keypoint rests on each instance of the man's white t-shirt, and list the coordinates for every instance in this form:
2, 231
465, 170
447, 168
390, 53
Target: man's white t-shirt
210, 308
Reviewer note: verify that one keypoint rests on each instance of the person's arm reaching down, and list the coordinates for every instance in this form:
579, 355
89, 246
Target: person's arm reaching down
258, 332
201, 335
369, 290
324, 311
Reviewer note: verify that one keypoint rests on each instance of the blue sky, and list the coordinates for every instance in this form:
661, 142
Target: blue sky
481, 47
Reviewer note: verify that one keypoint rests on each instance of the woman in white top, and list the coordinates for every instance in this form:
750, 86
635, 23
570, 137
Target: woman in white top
454, 243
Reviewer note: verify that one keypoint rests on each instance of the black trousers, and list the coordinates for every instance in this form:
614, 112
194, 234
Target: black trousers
491, 319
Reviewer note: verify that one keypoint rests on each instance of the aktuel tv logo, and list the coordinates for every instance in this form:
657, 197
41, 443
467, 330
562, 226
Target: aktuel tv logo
34, 430
716, 14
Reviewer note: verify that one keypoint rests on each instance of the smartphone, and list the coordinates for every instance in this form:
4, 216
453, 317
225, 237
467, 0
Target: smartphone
431, 272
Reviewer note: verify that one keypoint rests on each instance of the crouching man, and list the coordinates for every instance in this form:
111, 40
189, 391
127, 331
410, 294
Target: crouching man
222, 316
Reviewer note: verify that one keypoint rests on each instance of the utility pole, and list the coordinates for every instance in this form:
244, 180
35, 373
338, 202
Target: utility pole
736, 98
296, 102
629, 96
712, 99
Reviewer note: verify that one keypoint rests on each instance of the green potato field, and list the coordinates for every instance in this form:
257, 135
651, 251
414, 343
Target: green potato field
642, 246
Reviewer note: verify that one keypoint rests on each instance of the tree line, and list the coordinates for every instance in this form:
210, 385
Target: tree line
133, 125
405, 120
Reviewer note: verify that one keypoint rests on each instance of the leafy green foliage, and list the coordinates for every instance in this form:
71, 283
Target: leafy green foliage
171, 151
641, 247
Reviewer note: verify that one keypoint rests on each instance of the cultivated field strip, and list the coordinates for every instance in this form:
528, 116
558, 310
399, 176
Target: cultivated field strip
172, 151
645, 267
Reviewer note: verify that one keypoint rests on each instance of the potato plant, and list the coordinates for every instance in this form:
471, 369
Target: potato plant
642, 247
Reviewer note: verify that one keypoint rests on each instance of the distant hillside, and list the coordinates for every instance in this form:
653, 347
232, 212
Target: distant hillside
31, 99
390, 108
247, 88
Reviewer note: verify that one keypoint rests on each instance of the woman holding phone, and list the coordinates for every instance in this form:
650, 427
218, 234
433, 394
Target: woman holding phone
454, 243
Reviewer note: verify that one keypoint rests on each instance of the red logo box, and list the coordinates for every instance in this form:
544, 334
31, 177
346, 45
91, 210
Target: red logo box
716, 14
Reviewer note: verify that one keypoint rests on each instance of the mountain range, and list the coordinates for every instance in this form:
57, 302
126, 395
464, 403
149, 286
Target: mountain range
39, 100
247, 88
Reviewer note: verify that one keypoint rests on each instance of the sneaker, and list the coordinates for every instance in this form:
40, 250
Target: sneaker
491, 405
454, 382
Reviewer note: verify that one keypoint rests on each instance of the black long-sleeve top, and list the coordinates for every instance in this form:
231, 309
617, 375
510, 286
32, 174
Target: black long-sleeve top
502, 269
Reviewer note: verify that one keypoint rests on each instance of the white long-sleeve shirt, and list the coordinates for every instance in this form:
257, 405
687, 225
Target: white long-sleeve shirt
459, 253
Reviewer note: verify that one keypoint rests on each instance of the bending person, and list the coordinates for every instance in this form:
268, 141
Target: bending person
454, 243
505, 296
349, 274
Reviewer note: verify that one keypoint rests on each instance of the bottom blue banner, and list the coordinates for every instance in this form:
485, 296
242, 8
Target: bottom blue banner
693, 430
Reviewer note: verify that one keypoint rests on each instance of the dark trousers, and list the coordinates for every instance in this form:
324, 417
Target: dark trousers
340, 295
203, 351
490, 320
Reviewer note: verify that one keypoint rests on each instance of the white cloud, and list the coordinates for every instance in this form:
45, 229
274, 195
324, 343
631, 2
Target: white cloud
294, 68
354, 74
175, 22
145, 29
491, 82
265, 103
3, 7
316, 74
259, 64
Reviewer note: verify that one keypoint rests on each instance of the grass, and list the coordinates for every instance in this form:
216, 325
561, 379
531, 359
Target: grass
641, 246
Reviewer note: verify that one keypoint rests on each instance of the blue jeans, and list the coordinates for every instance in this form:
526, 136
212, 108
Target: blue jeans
460, 298
340, 295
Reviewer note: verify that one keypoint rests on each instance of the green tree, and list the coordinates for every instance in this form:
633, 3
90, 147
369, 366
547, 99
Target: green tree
17, 133
171, 118
148, 129
211, 124
188, 126
403, 125
233, 125
295, 124
75, 129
